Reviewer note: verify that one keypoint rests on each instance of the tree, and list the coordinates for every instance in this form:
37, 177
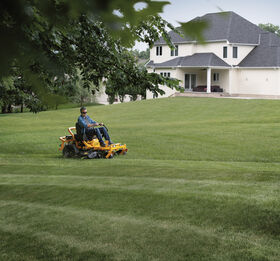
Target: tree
14, 91
141, 55
48, 40
144, 54
270, 28
80, 93
114, 63
7, 97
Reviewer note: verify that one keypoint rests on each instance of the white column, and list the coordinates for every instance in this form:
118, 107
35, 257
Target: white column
208, 80
229, 80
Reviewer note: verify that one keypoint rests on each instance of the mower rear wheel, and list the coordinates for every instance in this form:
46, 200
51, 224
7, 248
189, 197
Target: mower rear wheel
68, 151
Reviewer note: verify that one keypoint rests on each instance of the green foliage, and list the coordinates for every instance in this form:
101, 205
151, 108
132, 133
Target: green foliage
83, 91
48, 40
136, 82
7, 93
114, 64
270, 28
141, 55
195, 29
151, 29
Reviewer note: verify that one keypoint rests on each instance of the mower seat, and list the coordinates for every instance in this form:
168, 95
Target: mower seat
79, 135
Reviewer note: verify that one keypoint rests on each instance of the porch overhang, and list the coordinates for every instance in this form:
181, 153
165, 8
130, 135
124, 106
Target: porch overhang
197, 60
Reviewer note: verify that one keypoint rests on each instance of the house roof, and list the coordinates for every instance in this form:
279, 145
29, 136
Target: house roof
221, 27
195, 60
262, 57
231, 27
266, 54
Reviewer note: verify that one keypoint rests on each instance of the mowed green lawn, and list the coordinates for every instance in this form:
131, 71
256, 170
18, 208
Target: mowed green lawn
201, 181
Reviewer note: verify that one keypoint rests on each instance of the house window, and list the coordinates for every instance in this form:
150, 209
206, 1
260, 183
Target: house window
234, 52
175, 51
225, 52
165, 74
216, 77
159, 50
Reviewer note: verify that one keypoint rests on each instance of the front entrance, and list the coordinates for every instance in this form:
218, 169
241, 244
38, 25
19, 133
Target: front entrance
190, 81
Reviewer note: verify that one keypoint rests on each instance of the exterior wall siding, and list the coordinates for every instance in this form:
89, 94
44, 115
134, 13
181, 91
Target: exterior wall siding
200, 76
233, 81
186, 49
201, 79
161, 58
256, 81
168, 91
223, 79
243, 51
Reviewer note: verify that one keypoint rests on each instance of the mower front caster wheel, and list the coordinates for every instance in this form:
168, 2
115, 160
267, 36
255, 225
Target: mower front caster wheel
68, 151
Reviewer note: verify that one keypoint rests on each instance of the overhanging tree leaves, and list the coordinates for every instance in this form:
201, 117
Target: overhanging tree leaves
50, 39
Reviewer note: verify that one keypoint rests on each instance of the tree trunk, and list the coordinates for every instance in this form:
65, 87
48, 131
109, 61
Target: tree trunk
121, 98
4, 108
10, 108
21, 108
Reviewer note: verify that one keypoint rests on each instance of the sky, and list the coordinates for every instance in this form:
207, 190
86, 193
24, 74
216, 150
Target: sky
256, 11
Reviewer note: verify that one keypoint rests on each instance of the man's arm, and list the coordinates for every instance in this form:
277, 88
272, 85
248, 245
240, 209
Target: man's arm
94, 123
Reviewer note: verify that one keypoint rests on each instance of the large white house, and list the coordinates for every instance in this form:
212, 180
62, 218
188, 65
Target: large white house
237, 58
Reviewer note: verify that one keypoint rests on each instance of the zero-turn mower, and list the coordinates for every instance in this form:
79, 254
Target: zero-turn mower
77, 145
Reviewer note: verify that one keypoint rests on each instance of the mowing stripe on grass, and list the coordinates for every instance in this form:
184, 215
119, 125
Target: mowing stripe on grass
113, 222
261, 191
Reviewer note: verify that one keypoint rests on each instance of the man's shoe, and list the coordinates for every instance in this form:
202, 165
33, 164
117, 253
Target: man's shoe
110, 143
102, 144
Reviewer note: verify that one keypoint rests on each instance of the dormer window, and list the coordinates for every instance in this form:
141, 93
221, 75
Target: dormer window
174, 52
159, 50
234, 52
225, 52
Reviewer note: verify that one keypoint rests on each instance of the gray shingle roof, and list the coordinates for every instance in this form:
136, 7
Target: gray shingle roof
223, 26
262, 56
267, 54
195, 60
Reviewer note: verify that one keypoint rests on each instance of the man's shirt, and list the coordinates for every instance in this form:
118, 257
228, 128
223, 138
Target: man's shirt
84, 121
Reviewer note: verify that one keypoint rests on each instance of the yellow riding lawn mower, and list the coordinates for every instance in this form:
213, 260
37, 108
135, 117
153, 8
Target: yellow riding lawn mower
78, 146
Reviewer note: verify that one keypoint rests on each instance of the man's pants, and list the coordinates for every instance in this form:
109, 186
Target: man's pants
99, 132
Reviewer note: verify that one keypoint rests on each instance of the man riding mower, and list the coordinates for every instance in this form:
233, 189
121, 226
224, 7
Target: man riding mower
88, 141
